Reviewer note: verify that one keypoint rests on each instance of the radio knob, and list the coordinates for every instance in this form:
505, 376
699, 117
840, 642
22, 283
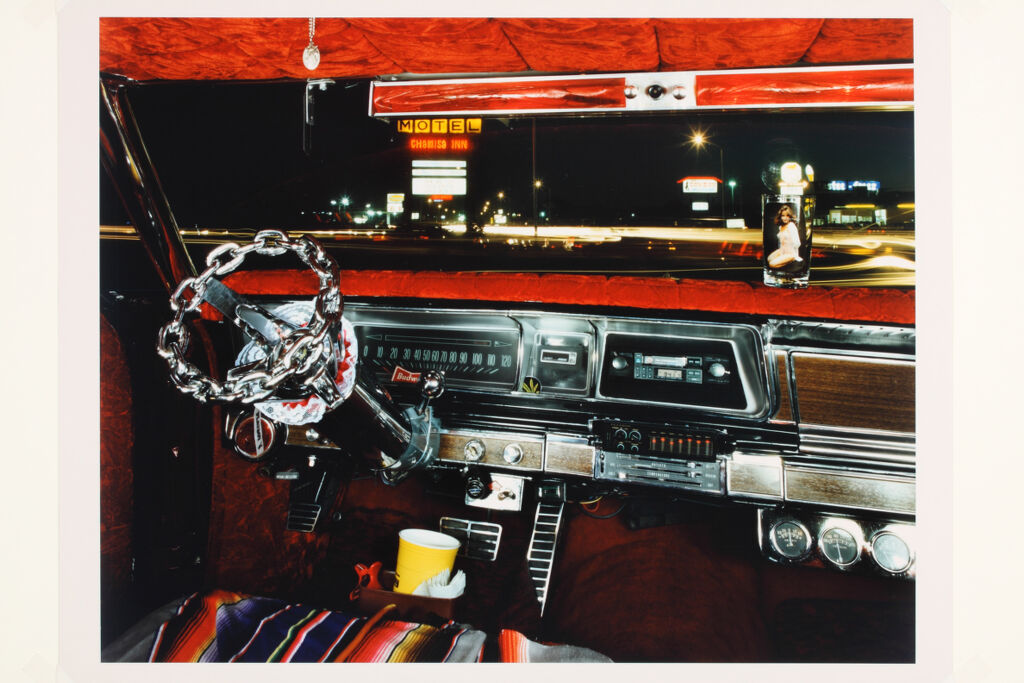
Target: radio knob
621, 447
634, 448
619, 363
716, 370
635, 436
619, 435
474, 450
512, 453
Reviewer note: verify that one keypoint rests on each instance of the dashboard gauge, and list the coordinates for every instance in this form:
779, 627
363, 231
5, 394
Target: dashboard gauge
839, 546
791, 539
484, 358
891, 552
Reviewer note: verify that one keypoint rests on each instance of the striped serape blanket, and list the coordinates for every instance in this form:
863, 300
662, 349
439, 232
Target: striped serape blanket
222, 626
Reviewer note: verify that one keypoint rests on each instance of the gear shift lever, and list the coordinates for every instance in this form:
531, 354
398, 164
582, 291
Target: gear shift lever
431, 386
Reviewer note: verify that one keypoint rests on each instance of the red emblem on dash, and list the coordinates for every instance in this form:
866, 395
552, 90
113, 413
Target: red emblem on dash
402, 375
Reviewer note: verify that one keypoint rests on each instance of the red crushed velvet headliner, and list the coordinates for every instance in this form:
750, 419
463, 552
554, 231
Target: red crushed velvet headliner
846, 304
268, 48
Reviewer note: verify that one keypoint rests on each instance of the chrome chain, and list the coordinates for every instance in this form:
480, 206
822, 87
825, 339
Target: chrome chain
301, 352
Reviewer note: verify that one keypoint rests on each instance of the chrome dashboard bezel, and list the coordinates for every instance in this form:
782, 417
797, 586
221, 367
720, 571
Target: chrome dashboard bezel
746, 340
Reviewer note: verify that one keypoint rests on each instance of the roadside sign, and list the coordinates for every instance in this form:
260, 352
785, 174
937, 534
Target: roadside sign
701, 185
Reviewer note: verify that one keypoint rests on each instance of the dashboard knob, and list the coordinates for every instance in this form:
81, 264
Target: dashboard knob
716, 370
619, 434
478, 485
635, 436
512, 453
619, 363
474, 450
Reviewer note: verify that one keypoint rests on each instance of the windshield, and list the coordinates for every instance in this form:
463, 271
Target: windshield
680, 194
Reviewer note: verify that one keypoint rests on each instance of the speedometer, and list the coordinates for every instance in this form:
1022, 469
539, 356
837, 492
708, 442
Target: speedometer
487, 358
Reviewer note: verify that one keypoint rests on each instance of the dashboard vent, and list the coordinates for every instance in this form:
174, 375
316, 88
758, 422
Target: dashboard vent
893, 453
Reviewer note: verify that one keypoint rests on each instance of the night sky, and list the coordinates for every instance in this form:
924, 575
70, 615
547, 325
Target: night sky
231, 156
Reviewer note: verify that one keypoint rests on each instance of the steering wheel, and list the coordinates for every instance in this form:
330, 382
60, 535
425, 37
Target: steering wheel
295, 362
295, 357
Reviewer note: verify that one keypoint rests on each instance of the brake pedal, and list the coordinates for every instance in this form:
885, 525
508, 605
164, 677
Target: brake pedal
479, 540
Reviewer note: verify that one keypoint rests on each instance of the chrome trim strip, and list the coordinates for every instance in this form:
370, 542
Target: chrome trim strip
851, 465
905, 458
846, 354
858, 435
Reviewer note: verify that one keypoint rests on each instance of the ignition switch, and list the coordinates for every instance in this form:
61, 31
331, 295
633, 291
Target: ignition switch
478, 484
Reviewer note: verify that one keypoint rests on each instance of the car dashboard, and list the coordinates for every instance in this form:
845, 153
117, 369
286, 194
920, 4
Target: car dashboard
812, 423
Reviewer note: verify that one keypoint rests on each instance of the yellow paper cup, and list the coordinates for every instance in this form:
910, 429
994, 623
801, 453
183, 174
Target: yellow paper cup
422, 554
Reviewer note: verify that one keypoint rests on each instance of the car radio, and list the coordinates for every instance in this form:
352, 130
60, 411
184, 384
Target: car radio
677, 370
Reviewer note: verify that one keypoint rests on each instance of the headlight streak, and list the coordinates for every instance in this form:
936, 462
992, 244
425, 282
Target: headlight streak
875, 260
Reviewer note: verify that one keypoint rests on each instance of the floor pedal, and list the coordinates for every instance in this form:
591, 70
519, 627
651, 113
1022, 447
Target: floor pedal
480, 540
540, 558
302, 517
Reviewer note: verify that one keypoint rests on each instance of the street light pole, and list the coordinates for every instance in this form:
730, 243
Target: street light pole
721, 179
699, 141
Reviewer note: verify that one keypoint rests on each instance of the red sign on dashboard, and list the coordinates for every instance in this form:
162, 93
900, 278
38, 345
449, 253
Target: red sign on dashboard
400, 374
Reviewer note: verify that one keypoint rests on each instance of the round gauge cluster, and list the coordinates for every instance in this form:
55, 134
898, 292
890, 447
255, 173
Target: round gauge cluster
891, 553
839, 546
841, 543
791, 540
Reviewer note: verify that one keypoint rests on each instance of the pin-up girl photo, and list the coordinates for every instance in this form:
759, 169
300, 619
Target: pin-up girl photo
789, 239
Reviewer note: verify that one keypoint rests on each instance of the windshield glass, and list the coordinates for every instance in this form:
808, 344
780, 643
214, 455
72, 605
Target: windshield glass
681, 194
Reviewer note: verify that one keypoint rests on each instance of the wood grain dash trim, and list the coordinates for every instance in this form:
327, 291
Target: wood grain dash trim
756, 476
453, 444
852, 391
785, 412
862, 492
569, 458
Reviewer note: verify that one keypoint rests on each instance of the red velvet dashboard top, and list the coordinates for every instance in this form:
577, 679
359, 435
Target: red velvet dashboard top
147, 48
866, 305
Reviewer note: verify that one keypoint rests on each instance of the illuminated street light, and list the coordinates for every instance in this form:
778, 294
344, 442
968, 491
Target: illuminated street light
732, 197
698, 139
537, 183
345, 201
